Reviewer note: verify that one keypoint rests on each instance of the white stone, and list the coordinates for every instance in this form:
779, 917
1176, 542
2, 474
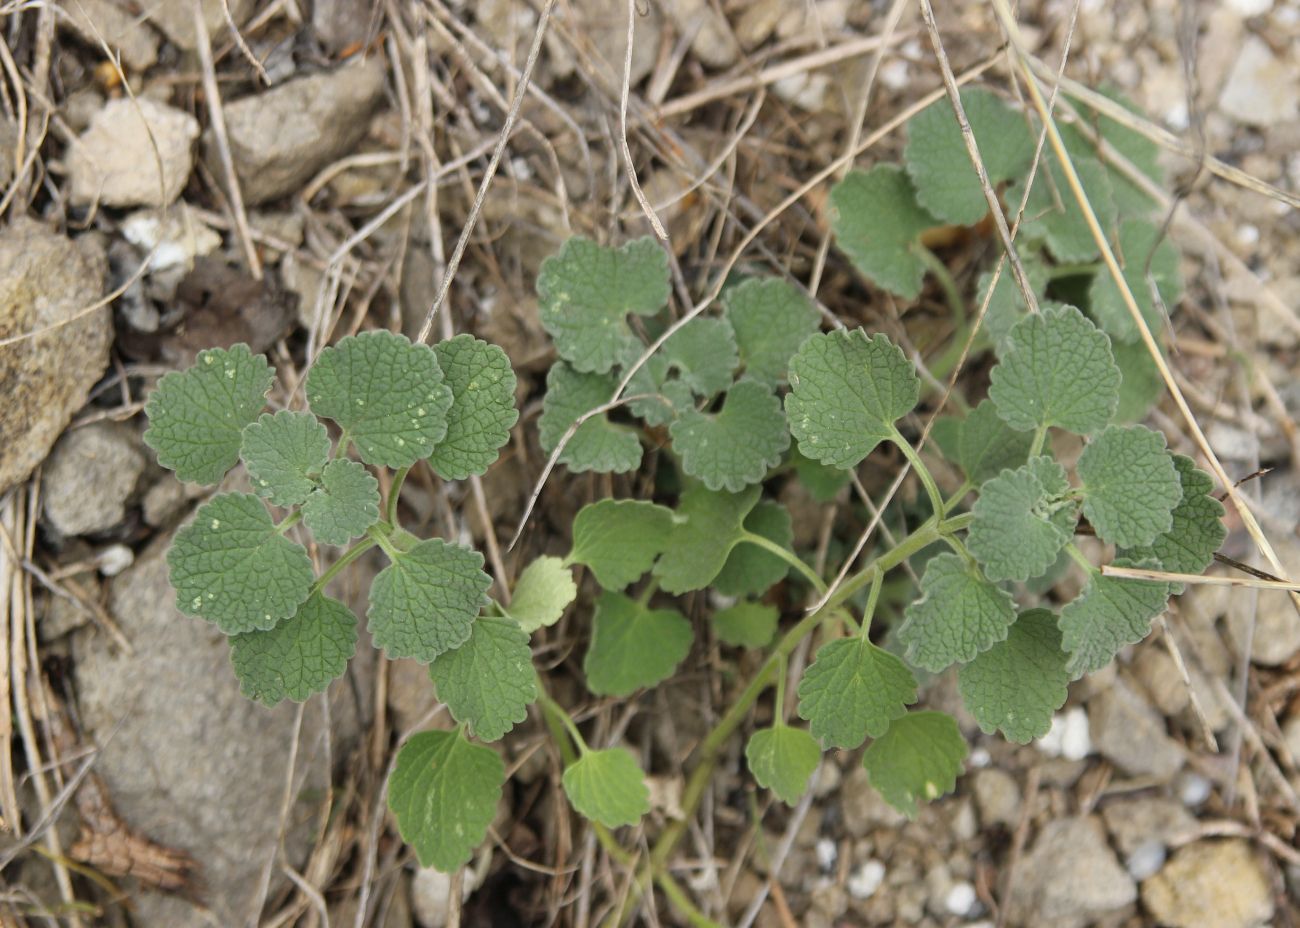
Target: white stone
1146, 860
173, 238
116, 161
1193, 789
864, 881
1249, 8
826, 852
430, 897
1068, 736
960, 899
114, 559
1260, 90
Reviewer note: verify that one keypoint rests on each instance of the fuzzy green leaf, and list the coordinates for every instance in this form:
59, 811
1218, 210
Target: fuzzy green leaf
284, 454
1052, 213
783, 759
300, 656
918, 759
489, 681
607, 787
751, 570
771, 319
425, 601
959, 614
847, 390
1141, 385
598, 444
703, 353
822, 481
737, 446
1197, 531
1140, 242
344, 505
878, 223
986, 445
542, 593
1007, 305
940, 167
633, 646
482, 407
232, 567
1017, 684
746, 625
586, 291
853, 689
1130, 485
1022, 521
1140, 150
619, 539
706, 526
444, 793
388, 394
1110, 613
1057, 370
196, 416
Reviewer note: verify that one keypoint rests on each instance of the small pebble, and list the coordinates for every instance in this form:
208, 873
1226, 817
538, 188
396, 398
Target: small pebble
960, 899
1068, 736
979, 758
866, 880
114, 559
827, 852
1193, 789
1146, 860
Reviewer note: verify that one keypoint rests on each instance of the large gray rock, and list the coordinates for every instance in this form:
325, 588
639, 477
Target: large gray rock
1216, 883
91, 473
281, 138
1071, 878
1127, 732
176, 18
117, 160
46, 280
96, 21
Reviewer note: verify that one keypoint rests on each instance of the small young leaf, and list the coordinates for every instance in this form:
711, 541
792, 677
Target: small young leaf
1141, 385
1007, 305
1130, 485
489, 681
542, 593
918, 759
633, 646
444, 792
703, 353
284, 454
746, 625
877, 223
771, 319
662, 396
783, 759
232, 567
958, 615
1022, 521
853, 689
482, 407
196, 416
1197, 531
1110, 613
1017, 684
751, 570
425, 601
706, 527
387, 393
1057, 370
598, 444
619, 539
1053, 213
344, 505
847, 390
737, 446
607, 787
1140, 244
300, 656
940, 167
986, 445
586, 291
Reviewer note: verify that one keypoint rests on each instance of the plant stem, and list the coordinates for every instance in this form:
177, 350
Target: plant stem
289, 522
350, 555
778, 710
786, 555
877, 580
1079, 558
554, 712
394, 491
378, 534
1040, 438
927, 479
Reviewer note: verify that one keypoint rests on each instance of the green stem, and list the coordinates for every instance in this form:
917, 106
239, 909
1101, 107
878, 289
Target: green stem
786, 555
394, 491
951, 502
927, 479
1073, 270
1040, 438
350, 555
289, 522
778, 711
1079, 558
869, 613
947, 284
651, 587
554, 712
378, 534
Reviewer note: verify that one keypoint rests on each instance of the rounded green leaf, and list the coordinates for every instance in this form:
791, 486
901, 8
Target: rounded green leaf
986, 445
822, 481
703, 354
233, 568
482, 409
853, 689
1197, 531
1007, 305
196, 416
771, 318
1016, 685
847, 390
878, 222
300, 656
387, 393
1142, 250
284, 454
1022, 521
425, 601
633, 646
737, 446
607, 787
918, 759
1052, 213
783, 759
489, 681
1056, 370
1130, 485
444, 793
598, 444
746, 625
751, 570
619, 539
1110, 613
959, 614
1141, 385
344, 505
542, 593
706, 526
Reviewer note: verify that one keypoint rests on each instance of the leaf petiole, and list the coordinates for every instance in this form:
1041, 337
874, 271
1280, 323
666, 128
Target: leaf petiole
395, 491
289, 522
923, 472
786, 555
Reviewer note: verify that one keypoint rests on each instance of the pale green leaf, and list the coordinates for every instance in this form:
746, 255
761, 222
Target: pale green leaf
706, 526
853, 689
300, 656
986, 445
344, 505
1007, 305
542, 593
847, 390
1052, 213
1022, 521
1110, 613
619, 539
917, 760
959, 614
586, 292
1139, 149
633, 646
1142, 251
746, 625
196, 416
598, 444
1130, 485
232, 567
1197, 532
444, 793
284, 454
482, 407
878, 223
822, 481
1016, 685
489, 681
1141, 385
388, 394
425, 601
703, 354
771, 318
783, 759
607, 787
751, 570
735, 447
